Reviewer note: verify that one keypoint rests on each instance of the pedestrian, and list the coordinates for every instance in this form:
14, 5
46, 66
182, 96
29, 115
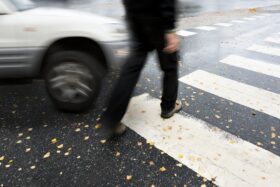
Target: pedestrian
152, 25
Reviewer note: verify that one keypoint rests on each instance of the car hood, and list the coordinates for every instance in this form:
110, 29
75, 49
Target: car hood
68, 14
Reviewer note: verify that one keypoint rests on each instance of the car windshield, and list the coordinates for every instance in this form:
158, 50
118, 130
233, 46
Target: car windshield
22, 5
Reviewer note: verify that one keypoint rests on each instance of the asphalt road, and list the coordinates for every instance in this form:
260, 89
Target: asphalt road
40, 146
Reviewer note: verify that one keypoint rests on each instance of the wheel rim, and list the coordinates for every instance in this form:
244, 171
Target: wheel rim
71, 82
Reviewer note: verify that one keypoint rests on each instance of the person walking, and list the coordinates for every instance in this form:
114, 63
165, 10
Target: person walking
152, 25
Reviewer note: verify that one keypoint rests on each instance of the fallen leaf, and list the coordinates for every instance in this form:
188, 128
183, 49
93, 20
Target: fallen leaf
77, 130
28, 138
273, 142
2, 158
8, 165
20, 134
19, 142
78, 157
66, 154
151, 143
162, 169
86, 126
103, 141
179, 165
232, 141
86, 138
54, 140
30, 129
27, 150
180, 156
151, 163
273, 129
98, 126
32, 167
273, 135
60, 146
118, 154
58, 151
139, 143
203, 185
47, 155
259, 143
217, 116
128, 177
19, 169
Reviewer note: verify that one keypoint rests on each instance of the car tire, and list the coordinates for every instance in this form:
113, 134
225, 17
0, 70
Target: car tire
73, 80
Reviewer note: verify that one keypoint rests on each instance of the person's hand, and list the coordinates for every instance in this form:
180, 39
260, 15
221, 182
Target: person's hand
172, 43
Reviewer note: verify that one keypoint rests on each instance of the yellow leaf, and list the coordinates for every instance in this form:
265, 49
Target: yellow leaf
54, 140
2, 158
47, 155
232, 141
27, 150
103, 141
151, 163
60, 146
97, 126
162, 169
203, 185
20, 134
30, 129
180, 156
118, 154
86, 138
78, 130
128, 177
273, 142
273, 135
151, 143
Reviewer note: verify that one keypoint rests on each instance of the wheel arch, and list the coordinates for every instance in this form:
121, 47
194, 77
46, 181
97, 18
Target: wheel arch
76, 43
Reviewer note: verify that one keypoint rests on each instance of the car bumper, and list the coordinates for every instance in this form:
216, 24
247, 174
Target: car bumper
116, 53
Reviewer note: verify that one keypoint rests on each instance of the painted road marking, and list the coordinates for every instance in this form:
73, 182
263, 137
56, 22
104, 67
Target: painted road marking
247, 95
273, 40
211, 152
207, 28
238, 21
253, 65
249, 19
265, 49
259, 16
185, 33
223, 24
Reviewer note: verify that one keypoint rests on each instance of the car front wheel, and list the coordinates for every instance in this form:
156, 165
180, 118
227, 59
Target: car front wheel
73, 80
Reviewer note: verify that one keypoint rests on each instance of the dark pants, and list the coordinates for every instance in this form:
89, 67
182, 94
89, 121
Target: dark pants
148, 35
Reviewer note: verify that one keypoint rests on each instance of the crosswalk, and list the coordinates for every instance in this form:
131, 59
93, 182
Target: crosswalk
213, 153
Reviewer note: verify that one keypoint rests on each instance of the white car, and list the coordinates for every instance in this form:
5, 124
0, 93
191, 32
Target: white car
71, 50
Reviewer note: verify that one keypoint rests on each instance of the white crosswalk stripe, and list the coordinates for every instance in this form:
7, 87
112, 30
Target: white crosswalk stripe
211, 152
223, 24
247, 95
273, 40
249, 19
206, 28
238, 21
265, 49
185, 33
253, 65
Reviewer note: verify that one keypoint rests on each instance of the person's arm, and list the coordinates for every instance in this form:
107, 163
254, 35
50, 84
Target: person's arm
169, 15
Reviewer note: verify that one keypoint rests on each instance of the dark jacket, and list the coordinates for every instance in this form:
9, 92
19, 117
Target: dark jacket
164, 10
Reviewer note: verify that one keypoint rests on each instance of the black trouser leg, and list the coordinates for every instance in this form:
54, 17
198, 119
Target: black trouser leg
169, 65
123, 89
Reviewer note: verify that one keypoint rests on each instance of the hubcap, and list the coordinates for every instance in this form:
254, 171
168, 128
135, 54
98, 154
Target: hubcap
71, 82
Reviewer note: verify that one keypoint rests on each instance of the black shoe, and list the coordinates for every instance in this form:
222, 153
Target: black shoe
169, 114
